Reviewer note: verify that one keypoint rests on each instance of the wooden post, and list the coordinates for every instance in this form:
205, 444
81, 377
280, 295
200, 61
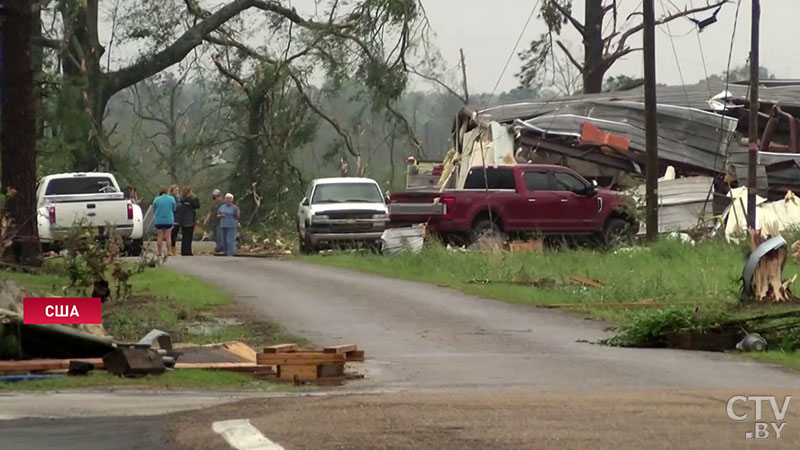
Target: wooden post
752, 162
464, 77
651, 124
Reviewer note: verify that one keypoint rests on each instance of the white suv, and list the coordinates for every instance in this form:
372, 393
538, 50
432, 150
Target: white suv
341, 210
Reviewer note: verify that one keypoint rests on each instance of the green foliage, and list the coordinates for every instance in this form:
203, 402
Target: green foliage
89, 258
641, 328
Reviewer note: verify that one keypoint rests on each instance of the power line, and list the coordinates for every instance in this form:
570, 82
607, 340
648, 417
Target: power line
514, 50
677, 60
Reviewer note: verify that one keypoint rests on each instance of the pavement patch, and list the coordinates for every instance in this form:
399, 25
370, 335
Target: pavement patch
242, 435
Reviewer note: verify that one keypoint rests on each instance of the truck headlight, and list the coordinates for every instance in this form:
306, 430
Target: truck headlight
319, 218
381, 216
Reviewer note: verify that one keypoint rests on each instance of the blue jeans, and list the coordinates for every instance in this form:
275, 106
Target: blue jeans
228, 240
216, 235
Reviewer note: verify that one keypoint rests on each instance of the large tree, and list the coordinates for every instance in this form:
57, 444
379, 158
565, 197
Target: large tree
604, 38
18, 126
177, 27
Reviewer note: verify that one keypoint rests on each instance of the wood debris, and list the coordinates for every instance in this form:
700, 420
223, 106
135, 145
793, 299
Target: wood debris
326, 366
586, 281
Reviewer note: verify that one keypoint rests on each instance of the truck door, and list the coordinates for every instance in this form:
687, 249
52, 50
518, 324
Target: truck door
576, 210
541, 202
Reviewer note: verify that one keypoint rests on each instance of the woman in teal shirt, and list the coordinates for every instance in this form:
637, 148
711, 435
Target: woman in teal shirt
228, 214
164, 216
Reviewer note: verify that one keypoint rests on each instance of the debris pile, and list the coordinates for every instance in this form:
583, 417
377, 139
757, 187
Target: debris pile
320, 367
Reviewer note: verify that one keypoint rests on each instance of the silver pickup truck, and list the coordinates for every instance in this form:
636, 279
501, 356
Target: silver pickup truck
341, 210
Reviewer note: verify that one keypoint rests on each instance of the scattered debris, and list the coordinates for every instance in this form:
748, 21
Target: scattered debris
45, 365
763, 274
320, 367
541, 282
526, 246
752, 343
396, 240
585, 281
783, 214
162, 337
79, 368
134, 360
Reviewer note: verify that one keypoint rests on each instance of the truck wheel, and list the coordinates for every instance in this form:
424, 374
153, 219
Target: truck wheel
305, 245
134, 247
484, 228
617, 232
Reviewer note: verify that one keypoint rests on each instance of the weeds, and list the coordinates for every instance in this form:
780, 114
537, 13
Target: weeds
644, 328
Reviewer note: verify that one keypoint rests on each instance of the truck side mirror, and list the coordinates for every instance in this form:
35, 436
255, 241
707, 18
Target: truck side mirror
594, 183
304, 202
590, 190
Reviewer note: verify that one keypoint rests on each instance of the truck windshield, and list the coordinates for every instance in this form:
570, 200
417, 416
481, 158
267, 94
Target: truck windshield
347, 193
81, 185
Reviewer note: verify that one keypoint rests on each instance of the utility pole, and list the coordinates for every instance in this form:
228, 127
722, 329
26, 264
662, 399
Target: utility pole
651, 124
464, 77
752, 162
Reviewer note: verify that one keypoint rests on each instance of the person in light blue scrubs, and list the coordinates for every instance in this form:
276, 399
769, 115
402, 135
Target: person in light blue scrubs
228, 214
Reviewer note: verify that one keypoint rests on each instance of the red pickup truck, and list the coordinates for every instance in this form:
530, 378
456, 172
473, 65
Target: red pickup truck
546, 199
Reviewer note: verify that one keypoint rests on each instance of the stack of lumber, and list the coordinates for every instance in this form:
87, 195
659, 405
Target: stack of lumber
324, 366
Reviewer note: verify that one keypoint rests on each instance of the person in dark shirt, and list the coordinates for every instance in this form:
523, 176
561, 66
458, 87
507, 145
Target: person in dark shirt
186, 218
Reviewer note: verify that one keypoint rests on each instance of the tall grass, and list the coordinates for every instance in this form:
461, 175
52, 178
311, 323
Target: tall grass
668, 271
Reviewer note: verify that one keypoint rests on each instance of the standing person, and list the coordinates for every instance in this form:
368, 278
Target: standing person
132, 195
228, 218
186, 218
173, 191
212, 219
164, 217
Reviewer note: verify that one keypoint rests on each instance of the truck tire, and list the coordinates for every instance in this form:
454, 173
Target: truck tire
134, 247
484, 227
305, 245
617, 232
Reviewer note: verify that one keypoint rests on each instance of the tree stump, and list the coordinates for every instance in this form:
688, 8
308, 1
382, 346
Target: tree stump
768, 284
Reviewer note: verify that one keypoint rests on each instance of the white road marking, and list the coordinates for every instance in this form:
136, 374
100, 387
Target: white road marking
242, 435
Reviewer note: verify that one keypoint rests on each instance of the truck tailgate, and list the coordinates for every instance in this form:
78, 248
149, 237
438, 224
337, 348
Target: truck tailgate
89, 210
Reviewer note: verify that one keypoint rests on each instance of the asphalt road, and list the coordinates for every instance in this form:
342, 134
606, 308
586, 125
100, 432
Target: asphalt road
444, 370
419, 335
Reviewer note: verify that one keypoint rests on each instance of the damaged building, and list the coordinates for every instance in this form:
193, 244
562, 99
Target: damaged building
702, 143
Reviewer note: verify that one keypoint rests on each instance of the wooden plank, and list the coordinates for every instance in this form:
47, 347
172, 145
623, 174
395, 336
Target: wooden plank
532, 246
223, 366
341, 348
585, 281
281, 348
355, 356
330, 370
241, 350
295, 358
39, 365
303, 373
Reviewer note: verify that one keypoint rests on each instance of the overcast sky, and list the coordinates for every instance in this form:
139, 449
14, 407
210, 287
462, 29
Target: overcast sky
488, 29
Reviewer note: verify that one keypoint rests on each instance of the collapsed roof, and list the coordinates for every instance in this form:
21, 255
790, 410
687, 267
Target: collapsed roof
697, 131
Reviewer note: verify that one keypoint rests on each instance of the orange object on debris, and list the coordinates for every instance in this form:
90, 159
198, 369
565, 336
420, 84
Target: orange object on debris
531, 246
595, 136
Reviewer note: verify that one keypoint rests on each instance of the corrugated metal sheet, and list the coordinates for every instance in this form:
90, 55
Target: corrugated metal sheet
696, 96
686, 136
684, 203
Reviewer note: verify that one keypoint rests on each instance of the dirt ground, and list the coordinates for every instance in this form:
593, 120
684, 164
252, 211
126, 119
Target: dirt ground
644, 419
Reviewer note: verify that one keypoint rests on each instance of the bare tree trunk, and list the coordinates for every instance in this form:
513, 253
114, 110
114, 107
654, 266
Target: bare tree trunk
18, 125
594, 64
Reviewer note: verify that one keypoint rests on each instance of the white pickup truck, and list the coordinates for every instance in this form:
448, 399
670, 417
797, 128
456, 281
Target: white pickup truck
341, 210
91, 199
